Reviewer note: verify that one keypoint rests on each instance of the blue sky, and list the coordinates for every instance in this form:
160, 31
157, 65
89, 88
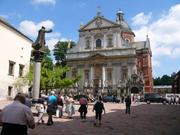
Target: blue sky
160, 19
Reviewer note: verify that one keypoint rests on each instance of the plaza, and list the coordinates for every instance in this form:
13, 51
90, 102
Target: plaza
154, 119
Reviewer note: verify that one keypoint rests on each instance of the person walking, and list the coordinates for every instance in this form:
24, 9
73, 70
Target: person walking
70, 110
99, 108
40, 107
60, 104
16, 118
52, 106
83, 107
128, 104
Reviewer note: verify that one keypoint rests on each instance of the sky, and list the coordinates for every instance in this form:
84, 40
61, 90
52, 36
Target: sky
159, 19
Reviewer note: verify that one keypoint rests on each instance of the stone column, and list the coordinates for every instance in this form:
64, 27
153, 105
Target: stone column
91, 75
92, 42
38, 55
129, 71
105, 41
91, 72
103, 76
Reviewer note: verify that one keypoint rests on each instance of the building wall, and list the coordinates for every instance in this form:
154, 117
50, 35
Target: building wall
144, 65
14, 47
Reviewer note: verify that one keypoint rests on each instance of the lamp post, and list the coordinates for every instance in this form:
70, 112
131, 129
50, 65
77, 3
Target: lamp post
38, 53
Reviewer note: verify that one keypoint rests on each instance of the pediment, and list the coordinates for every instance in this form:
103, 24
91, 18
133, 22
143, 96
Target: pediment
97, 56
99, 22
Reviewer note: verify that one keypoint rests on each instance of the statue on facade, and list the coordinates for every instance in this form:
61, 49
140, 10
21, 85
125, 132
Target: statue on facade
40, 41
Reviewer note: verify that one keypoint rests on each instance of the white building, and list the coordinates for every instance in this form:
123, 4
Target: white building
108, 58
15, 52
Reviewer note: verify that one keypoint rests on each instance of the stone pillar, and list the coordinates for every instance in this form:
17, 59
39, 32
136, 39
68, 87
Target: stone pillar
129, 71
38, 55
91, 72
103, 77
134, 68
92, 42
91, 75
105, 41
39, 46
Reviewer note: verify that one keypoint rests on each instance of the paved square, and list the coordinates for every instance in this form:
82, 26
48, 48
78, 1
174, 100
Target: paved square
154, 119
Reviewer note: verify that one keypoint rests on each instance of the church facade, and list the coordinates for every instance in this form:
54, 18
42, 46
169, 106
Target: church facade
109, 60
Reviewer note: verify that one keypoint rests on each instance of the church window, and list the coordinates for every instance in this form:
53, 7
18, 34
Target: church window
87, 44
98, 43
110, 41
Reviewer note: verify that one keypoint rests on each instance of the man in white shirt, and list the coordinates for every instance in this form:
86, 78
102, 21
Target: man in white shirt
16, 117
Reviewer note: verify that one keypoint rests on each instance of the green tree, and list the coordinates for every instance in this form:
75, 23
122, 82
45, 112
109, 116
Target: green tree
51, 76
60, 51
164, 80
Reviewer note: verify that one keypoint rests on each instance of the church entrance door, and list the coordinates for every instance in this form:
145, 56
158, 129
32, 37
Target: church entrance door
134, 90
97, 74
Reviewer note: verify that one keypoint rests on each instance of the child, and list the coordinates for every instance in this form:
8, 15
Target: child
40, 107
98, 107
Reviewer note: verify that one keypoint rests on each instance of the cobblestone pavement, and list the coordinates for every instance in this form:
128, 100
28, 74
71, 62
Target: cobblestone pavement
153, 119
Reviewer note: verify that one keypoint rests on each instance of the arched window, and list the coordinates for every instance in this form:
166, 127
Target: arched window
98, 43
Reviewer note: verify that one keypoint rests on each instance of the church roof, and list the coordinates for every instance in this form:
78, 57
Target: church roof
108, 23
125, 27
121, 23
141, 45
3, 21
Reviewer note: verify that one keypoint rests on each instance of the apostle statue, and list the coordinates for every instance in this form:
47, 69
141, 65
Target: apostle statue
40, 41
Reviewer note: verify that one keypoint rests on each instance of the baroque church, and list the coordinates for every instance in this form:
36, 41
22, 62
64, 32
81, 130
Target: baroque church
109, 60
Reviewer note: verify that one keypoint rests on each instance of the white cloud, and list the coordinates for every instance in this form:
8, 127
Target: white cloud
176, 53
155, 63
31, 28
51, 42
164, 34
141, 19
53, 2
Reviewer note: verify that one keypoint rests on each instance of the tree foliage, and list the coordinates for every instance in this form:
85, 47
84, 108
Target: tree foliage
51, 75
60, 51
164, 80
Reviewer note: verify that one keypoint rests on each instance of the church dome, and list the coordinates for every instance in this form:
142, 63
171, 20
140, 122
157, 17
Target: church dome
125, 27
120, 20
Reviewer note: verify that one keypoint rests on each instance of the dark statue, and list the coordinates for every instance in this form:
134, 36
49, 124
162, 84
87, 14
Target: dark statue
40, 41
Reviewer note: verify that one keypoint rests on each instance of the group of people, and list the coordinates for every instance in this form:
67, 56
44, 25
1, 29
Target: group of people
55, 105
18, 117
174, 100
